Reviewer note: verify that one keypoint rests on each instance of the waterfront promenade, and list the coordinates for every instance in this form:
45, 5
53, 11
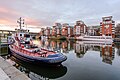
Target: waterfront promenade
9, 72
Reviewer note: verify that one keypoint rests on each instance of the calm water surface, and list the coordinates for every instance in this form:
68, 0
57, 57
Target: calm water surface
85, 61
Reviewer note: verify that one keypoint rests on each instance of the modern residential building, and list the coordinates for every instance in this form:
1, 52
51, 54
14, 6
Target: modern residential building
93, 30
42, 32
48, 32
80, 28
64, 31
54, 31
70, 32
58, 29
107, 27
117, 31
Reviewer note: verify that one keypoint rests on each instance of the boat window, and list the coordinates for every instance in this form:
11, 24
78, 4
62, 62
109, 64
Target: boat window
20, 34
27, 42
24, 35
28, 46
27, 35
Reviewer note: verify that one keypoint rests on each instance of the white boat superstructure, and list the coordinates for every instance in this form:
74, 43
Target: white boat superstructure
96, 38
93, 43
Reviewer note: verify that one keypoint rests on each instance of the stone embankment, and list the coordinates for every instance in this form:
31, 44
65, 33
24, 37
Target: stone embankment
9, 72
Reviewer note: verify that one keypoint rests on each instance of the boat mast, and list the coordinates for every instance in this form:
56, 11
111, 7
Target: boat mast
20, 21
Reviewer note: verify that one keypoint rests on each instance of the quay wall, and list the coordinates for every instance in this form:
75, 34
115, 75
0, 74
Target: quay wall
10, 72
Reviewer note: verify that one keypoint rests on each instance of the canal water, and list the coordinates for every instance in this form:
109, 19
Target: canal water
85, 61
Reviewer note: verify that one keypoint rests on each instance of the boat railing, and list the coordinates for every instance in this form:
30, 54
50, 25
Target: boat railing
35, 52
47, 50
26, 51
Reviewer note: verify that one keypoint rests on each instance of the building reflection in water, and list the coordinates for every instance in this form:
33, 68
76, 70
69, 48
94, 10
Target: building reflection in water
80, 49
118, 51
107, 51
117, 46
58, 46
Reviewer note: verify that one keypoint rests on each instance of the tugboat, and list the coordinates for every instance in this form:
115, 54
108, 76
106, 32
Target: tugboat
24, 49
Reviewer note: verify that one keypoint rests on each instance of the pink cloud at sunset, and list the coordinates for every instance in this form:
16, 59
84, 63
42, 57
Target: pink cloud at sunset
38, 13
8, 18
30, 21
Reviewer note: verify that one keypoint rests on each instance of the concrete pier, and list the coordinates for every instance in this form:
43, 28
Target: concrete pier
9, 72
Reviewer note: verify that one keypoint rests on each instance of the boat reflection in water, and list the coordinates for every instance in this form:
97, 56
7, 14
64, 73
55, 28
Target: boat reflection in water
36, 72
100, 61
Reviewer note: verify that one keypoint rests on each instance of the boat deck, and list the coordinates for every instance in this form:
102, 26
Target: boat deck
32, 52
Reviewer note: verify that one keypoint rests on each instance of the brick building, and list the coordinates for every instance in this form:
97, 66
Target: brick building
42, 32
93, 30
70, 31
80, 28
107, 26
117, 31
64, 31
58, 29
48, 32
54, 31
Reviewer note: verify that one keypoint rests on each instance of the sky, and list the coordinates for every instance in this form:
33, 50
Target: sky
42, 13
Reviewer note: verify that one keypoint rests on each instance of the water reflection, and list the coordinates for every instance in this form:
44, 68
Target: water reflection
58, 46
36, 72
80, 49
117, 45
107, 51
97, 60
118, 51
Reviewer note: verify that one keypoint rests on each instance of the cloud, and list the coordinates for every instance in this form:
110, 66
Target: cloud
7, 15
47, 12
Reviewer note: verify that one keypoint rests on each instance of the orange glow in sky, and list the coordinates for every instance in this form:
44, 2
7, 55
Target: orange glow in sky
40, 13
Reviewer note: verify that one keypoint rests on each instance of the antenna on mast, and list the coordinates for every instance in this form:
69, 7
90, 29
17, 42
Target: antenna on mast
20, 21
